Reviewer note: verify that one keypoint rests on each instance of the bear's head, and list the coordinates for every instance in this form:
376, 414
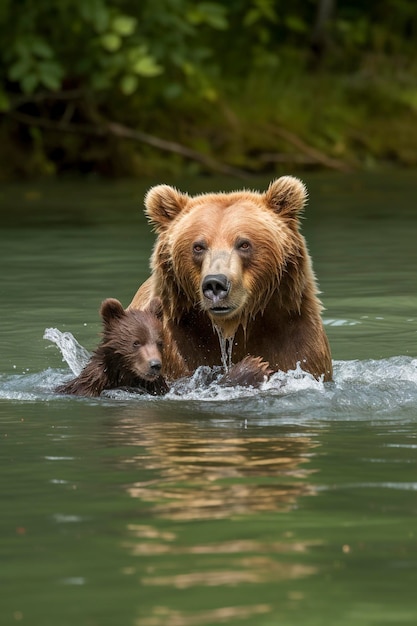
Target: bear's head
228, 253
132, 339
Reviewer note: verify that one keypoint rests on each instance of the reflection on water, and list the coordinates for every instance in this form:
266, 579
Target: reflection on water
249, 561
203, 477
237, 475
251, 569
162, 616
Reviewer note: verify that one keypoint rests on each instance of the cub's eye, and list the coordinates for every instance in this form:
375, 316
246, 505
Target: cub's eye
160, 344
244, 245
137, 344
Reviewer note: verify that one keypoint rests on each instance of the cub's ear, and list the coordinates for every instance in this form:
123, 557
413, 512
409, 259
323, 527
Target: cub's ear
155, 307
111, 309
163, 203
286, 196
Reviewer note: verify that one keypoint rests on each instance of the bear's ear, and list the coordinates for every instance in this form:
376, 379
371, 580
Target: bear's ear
155, 307
163, 203
286, 196
111, 309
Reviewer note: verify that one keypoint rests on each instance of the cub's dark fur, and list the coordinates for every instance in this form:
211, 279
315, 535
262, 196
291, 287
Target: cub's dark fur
129, 355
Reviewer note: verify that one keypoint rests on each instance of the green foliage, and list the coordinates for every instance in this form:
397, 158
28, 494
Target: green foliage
105, 44
124, 44
176, 65
211, 13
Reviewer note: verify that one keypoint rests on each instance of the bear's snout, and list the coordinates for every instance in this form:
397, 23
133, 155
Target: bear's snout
215, 287
150, 369
155, 366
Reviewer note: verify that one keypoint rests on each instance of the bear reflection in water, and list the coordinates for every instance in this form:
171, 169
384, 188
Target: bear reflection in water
194, 469
213, 509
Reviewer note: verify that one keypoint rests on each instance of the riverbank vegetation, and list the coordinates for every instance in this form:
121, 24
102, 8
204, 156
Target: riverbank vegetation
127, 88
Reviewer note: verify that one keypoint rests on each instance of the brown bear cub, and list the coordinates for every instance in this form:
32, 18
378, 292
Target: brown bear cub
129, 355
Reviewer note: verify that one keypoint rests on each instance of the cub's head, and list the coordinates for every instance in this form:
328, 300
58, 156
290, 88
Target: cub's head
133, 339
227, 252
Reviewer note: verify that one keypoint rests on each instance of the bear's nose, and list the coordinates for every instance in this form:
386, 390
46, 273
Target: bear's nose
155, 365
215, 287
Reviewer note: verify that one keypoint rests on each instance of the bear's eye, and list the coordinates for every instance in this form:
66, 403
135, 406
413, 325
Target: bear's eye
243, 245
199, 247
160, 345
137, 344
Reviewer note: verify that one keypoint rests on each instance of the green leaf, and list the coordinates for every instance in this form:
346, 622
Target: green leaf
21, 68
124, 25
111, 42
173, 90
262, 10
210, 94
129, 84
101, 17
22, 47
29, 83
41, 49
188, 68
49, 74
294, 23
208, 13
136, 52
147, 66
95, 12
252, 17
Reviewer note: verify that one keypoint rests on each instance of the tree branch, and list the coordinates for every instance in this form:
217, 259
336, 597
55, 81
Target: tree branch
118, 130
315, 155
42, 96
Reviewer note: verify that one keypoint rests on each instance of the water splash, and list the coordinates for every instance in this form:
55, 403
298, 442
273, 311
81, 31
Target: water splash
73, 353
368, 389
226, 348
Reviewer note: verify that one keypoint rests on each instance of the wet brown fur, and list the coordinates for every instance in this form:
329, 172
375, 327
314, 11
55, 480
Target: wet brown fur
274, 296
251, 371
129, 355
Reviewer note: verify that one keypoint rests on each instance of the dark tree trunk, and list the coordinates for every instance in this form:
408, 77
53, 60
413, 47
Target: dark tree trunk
320, 37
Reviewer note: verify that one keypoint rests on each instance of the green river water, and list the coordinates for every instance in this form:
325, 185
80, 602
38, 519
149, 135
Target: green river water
293, 505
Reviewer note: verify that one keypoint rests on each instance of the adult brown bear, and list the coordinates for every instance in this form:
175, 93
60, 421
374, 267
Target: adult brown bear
235, 262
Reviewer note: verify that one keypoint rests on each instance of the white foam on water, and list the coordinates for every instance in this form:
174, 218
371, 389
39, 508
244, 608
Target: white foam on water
360, 388
73, 353
340, 322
